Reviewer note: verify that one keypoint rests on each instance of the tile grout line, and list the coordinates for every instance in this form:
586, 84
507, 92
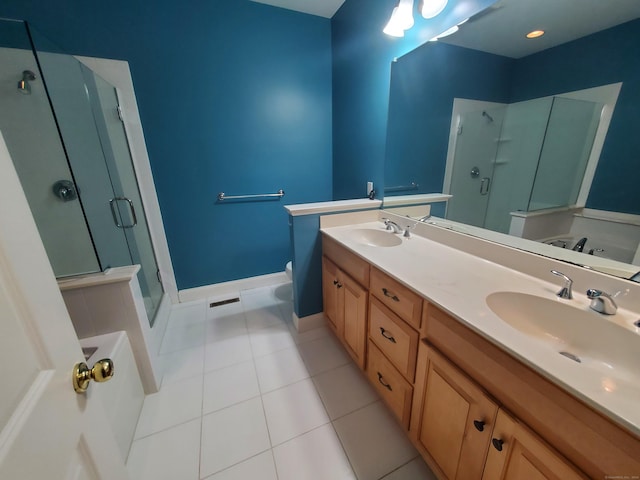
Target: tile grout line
204, 354
264, 412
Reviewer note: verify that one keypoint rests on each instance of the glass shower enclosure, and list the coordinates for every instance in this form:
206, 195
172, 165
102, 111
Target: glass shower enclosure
525, 156
65, 134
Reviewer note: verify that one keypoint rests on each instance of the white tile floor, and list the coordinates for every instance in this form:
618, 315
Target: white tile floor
245, 397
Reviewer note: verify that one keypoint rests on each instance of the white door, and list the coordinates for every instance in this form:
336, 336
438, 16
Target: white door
47, 431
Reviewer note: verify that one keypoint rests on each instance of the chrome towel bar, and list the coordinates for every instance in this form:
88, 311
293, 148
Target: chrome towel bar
222, 196
399, 188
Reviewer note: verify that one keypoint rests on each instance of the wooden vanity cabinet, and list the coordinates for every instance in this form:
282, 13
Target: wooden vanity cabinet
517, 453
345, 299
452, 418
473, 410
577, 436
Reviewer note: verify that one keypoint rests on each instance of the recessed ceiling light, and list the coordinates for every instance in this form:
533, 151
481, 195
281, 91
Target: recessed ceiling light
535, 34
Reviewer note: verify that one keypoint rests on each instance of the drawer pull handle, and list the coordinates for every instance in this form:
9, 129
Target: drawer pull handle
497, 444
388, 337
479, 424
387, 293
384, 384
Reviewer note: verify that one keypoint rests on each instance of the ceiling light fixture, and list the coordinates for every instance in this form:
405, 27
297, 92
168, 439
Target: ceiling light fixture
401, 19
393, 29
535, 34
431, 8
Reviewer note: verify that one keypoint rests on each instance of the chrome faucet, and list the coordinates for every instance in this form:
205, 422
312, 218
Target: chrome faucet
392, 226
565, 291
579, 246
602, 302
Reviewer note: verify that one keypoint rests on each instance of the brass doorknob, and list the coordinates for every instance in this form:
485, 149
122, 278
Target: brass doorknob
101, 372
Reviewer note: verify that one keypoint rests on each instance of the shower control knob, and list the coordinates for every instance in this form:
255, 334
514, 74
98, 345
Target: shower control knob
65, 190
101, 372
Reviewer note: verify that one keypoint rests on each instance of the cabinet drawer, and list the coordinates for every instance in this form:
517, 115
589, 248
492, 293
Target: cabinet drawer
393, 388
406, 304
349, 262
397, 340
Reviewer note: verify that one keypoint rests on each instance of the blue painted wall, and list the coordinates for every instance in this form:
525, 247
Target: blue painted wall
362, 57
234, 96
423, 85
606, 57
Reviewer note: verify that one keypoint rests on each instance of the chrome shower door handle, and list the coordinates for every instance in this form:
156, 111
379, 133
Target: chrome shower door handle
484, 185
134, 218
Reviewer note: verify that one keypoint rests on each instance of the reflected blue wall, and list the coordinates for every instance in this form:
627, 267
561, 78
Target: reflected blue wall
423, 86
234, 96
362, 57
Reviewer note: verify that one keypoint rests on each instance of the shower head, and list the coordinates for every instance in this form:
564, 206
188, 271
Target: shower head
23, 85
489, 117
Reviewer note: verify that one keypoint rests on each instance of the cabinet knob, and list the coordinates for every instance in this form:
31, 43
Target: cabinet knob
479, 424
337, 283
497, 444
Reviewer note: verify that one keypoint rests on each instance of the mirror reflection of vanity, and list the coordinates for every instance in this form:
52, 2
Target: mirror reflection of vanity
533, 138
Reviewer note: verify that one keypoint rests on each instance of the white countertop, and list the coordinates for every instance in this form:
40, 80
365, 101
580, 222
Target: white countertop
459, 283
110, 275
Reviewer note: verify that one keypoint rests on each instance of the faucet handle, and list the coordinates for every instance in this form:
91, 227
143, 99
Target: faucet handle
602, 302
565, 291
407, 231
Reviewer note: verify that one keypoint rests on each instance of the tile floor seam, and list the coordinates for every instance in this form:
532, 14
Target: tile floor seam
236, 464
398, 468
201, 415
264, 411
165, 429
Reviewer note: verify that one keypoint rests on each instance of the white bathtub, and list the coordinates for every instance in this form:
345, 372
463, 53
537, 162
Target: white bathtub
122, 396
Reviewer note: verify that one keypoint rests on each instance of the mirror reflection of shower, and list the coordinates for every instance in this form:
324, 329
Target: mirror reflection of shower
532, 157
24, 87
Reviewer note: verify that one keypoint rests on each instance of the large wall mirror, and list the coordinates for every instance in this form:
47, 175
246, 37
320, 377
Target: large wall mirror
535, 139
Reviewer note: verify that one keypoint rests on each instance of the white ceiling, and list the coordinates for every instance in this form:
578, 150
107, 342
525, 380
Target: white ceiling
321, 8
501, 29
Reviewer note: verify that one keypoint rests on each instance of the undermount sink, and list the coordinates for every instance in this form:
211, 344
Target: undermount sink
583, 336
375, 238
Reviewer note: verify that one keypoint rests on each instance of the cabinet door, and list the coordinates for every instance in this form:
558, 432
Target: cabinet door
353, 300
518, 454
455, 417
330, 289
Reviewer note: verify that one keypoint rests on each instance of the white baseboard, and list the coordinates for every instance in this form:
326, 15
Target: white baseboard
231, 288
309, 322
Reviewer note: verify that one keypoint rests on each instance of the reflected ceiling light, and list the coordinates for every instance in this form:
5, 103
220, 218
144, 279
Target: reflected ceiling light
431, 8
401, 19
392, 27
535, 34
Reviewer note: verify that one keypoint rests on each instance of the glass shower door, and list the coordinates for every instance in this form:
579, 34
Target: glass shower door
126, 204
98, 154
473, 166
